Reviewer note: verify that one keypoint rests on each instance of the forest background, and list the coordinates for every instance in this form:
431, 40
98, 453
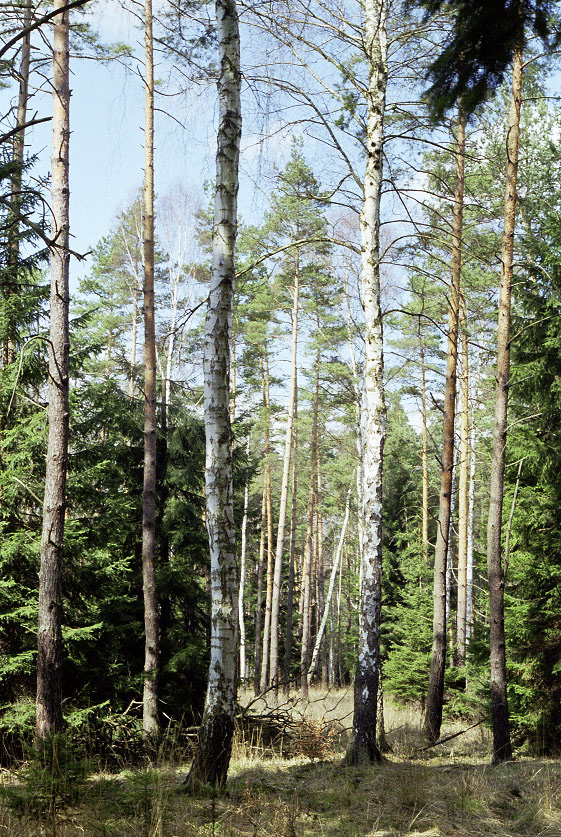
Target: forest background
287, 196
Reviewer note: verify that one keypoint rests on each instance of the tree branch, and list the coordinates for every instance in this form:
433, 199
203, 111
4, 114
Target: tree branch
38, 23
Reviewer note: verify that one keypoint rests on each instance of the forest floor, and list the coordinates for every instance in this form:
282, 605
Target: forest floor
450, 789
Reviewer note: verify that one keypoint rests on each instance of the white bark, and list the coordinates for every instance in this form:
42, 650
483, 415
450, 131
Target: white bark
243, 550
275, 604
215, 737
373, 406
470, 539
334, 570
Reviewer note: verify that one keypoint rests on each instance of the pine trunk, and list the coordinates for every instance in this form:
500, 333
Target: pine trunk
49, 632
433, 711
363, 747
212, 757
502, 749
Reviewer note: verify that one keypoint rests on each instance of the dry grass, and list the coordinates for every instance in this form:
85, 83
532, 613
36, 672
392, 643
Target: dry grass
448, 790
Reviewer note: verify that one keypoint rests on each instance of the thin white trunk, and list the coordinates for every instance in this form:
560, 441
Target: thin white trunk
471, 523
171, 339
463, 492
275, 603
133, 343
242, 572
334, 570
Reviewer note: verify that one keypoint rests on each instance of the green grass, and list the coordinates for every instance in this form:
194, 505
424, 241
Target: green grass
447, 790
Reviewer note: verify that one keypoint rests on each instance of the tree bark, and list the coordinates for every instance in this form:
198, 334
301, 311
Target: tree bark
425, 455
292, 559
49, 631
334, 571
212, 757
363, 746
433, 711
275, 602
502, 748
307, 569
269, 511
243, 550
471, 525
150, 721
259, 607
463, 494
320, 563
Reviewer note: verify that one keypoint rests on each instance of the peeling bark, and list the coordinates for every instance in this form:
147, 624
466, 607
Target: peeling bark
212, 757
363, 747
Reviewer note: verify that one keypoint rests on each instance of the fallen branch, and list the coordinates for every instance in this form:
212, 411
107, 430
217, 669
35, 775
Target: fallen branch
455, 735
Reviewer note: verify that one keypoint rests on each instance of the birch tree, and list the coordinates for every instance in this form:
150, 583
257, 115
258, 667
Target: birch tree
373, 416
212, 756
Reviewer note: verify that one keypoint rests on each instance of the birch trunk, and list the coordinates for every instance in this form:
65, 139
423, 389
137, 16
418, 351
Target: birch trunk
212, 757
306, 591
320, 567
259, 608
243, 550
292, 560
470, 532
334, 571
275, 602
363, 746
425, 455
463, 495
49, 630
269, 513
433, 712
307, 568
150, 721
502, 749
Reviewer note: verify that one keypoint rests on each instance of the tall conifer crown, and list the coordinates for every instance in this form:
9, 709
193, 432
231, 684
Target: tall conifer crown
485, 34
